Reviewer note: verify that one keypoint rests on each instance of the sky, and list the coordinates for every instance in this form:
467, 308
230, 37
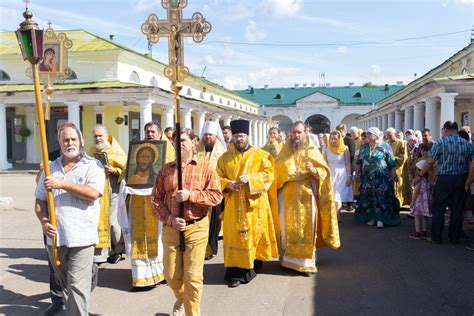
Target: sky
281, 43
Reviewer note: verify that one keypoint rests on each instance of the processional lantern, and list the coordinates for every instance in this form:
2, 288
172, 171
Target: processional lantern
30, 40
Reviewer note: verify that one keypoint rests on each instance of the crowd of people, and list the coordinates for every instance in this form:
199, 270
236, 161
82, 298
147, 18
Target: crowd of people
282, 201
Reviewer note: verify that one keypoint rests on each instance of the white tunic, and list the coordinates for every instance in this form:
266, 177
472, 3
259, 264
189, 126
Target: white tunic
342, 192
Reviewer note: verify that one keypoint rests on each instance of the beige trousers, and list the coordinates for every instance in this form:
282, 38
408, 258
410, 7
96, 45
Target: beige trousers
184, 270
74, 275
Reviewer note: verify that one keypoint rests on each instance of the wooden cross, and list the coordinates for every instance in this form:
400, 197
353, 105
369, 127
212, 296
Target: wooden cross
175, 28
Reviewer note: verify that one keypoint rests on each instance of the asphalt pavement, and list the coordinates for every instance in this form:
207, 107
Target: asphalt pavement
375, 272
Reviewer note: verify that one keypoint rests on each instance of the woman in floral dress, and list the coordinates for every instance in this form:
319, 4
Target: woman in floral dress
375, 168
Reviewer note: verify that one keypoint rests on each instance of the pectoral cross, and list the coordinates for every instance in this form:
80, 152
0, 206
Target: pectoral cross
175, 28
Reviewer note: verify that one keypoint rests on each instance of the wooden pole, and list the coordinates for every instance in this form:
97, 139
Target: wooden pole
176, 87
44, 148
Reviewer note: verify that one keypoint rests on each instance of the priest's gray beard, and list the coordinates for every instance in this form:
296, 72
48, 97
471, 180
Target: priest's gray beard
296, 144
104, 145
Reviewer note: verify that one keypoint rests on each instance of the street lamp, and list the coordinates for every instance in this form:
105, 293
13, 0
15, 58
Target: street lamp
30, 39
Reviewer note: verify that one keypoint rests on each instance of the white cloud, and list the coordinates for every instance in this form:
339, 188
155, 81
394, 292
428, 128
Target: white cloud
376, 68
209, 60
342, 49
238, 12
283, 7
142, 5
234, 83
253, 33
330, 22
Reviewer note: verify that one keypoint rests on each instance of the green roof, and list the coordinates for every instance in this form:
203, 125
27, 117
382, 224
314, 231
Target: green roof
345, 95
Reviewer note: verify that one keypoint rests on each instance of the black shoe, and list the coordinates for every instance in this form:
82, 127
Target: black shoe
115, 258
234, 283
308, 274
209, 257
142, 288
53, 309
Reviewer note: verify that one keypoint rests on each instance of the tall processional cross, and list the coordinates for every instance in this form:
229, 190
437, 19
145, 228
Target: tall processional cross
176, 29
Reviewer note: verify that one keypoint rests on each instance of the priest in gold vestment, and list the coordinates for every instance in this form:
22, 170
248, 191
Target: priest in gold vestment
308, 218
110, 246
246, 175
402, 184
273, 145
141, 229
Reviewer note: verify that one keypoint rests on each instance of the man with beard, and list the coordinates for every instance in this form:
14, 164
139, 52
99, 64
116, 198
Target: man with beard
308, 218
402, 183
77, 182
273, 146
246, 175
210, 148
141, 229
110, 246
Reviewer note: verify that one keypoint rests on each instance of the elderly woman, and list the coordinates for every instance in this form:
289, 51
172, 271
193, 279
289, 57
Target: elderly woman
375, 166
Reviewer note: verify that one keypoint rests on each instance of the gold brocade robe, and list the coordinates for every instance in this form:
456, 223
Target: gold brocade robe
249, 232
273, 147
402, 187
302, 191
118, 160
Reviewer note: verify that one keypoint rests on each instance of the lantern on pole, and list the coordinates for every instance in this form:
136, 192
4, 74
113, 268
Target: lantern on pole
30, 39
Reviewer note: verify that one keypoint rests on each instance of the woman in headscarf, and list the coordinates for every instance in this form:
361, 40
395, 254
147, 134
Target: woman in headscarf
338, 158
375, 166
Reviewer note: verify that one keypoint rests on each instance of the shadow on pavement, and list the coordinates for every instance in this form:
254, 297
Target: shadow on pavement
18, 253
379, 271
117, 279
19, 304
33, 272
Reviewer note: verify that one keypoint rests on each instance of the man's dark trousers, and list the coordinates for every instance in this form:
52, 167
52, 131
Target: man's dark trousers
448, 191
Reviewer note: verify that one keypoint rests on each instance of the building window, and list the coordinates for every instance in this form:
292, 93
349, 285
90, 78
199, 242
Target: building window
153, 82
357, 95
189, 93
134, 77
277, 96
464, 71
4, 76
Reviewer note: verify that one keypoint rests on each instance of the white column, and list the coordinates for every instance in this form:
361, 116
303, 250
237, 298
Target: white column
384, 122
168, 117
264, 134
31, 122
379, 122
186, 114
256, 131
125, 130
430, 114
200, 122
73, 113
398, 120
3, 138
447, 107
145, 114
408, 118
391, 119
418, 117
227, 119
261, 134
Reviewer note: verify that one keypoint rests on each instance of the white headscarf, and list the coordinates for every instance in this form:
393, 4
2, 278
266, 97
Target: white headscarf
214, 128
